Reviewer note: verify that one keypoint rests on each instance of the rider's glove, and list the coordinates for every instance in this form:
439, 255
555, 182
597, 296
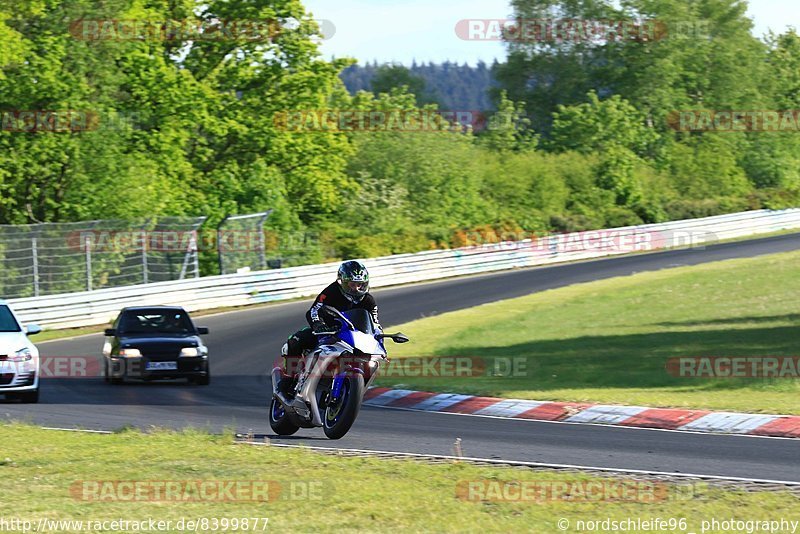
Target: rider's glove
318, 327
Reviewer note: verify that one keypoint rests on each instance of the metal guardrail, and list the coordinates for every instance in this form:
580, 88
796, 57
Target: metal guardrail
100, 306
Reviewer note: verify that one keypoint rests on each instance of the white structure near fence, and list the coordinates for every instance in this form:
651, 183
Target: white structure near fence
100, 306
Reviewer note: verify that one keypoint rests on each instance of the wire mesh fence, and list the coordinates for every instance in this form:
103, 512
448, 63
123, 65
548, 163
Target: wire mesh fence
52, 258
244, 243
241, 243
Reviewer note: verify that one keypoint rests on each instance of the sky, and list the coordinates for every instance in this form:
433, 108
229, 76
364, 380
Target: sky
404, 30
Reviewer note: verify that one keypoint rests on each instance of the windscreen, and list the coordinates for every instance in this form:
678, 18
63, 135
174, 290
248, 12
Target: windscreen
156, 322
7, 321
361, 319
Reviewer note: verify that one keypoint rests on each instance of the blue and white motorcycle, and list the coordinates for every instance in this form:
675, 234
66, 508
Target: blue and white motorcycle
326, 386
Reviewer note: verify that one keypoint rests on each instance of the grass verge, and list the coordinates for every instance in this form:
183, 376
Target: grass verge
609, 341
319, 491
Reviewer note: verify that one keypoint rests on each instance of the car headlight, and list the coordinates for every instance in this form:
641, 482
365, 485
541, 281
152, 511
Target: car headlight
129, 353
192, 352
22, 355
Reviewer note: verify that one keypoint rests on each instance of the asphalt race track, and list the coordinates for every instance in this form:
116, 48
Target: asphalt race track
243, 346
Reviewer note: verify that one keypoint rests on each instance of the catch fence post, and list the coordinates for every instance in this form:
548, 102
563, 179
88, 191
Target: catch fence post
88, 244
35, 255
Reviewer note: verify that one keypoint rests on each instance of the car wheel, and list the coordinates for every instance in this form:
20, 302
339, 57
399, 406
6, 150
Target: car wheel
203, 380
111, 378
30, 397
106, 371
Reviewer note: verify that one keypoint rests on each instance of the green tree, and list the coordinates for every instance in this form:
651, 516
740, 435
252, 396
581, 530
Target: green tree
596, 125
508, 128
614, 129
772, 160
185, 126
389, 77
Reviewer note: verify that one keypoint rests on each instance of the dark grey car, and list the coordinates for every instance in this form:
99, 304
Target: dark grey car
154, 343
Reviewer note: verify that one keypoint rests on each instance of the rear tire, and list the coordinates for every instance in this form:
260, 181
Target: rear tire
279, 419
340, 417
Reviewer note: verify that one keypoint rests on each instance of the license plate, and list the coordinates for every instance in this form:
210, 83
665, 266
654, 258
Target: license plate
161, 366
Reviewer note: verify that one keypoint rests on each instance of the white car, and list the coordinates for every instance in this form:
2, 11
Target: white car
19, 358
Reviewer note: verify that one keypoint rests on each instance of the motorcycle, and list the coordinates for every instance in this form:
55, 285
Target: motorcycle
326, 387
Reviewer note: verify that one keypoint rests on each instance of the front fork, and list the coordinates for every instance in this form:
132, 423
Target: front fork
309, 362
305, 402
336, 388
318, 364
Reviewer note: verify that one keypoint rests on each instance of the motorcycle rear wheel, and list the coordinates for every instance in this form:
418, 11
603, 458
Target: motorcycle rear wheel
279, 420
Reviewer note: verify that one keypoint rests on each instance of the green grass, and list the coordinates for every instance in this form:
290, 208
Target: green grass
66, 333
351, 494
609, 341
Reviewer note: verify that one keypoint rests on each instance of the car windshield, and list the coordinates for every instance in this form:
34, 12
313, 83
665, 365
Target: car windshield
7, 321
155, 322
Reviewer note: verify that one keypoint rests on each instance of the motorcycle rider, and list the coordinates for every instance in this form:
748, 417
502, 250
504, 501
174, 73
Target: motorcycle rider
349, 291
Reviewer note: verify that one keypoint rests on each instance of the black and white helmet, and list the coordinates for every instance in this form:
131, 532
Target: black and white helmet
353, 280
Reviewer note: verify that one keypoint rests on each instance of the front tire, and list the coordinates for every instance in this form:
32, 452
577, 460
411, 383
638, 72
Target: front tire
279, 419
339, 417
111, 378
202, 380
30, 397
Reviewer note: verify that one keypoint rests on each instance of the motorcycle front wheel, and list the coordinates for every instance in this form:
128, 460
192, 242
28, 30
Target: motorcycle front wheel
340, 415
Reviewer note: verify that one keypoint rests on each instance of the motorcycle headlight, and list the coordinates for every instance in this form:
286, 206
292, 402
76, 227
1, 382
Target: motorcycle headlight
192, 352
129, 353
22, 355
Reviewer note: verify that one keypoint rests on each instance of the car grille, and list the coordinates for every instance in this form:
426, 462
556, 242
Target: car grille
161, 356
26, 379
21, 380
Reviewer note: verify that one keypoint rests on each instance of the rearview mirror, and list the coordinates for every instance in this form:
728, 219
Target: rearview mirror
202, 330
110, 332
400, 338
33, 329
397, 338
